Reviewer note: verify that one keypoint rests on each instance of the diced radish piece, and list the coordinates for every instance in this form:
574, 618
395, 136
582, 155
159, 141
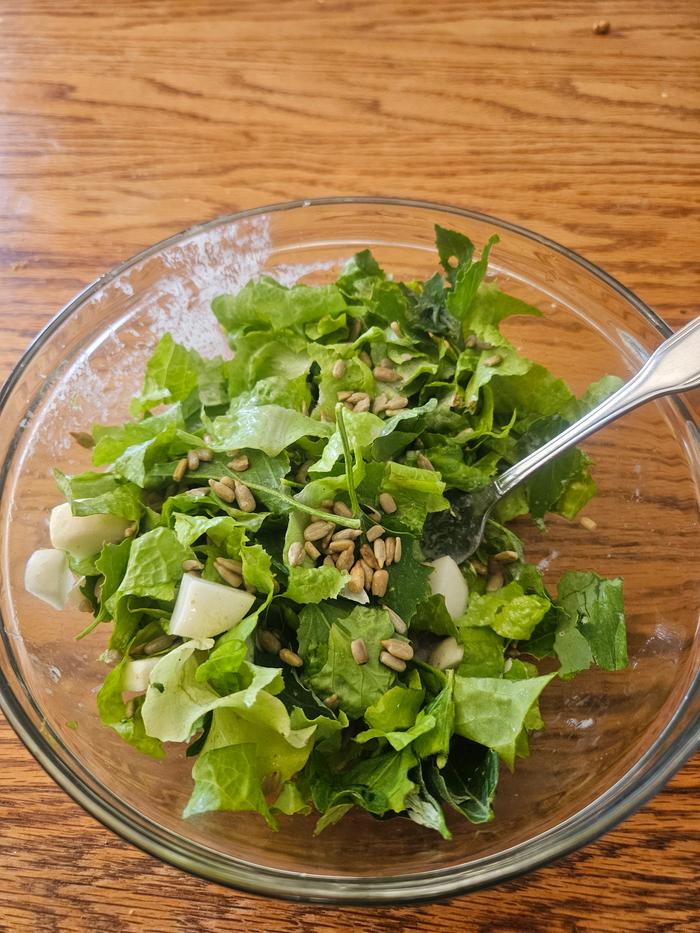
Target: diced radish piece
204, 609
84, 535
448, 654
47, 576
447, 580
136, 673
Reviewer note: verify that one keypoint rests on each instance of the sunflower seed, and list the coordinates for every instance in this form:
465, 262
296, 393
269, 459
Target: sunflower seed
205, 455
372, 513
388, 660
343, 396
83, 438
418, 443
396, 327
335, 547
295, 554
423, 462
384, 374
358, 649
290, 657
481, 569
347, 534
235, 565
400, 649
228, 576
312, 550
495, 581
339, 368
380, 581
328, 561
326, 542
130, 530
239, 464
376, 531
367, 555
357, 578
362, 406
244, 497
222, 490
387, 503
84, 605
369, 574
332, 701
355, 329
302, 473
355, 397
396, 620
340, 508
379, 404
317, 530
188, 565
398, 548
390, 545
506, 557
156, 645
366, 358
493, 360
588, 523
192, 460
345, 559
228, 481
130, 708
197, 491
180, 470
483, 345
268, 641
470, 342
396, 403
379, 548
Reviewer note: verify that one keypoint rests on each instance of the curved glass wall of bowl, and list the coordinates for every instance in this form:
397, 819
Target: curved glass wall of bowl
611, 739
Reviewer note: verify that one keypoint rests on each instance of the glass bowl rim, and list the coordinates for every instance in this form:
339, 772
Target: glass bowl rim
583, 827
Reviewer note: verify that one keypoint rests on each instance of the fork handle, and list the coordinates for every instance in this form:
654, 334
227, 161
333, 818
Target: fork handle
673, 367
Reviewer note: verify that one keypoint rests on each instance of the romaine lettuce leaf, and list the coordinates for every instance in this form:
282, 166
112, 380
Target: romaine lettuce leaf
468, 780
270, 428
492, 711
508, 611
593, 629
266, 305
100, 493
357, 686
126, 723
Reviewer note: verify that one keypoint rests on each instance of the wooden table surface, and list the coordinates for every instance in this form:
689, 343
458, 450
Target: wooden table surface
122, 122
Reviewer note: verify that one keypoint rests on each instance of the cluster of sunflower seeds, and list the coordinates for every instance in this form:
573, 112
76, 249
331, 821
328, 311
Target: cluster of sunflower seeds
268, 641
191, 461
234, 491
362, 401
394, 655
365, 560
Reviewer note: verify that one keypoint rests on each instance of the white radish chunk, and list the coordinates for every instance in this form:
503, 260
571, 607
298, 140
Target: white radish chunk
48, 577
136, 673
84, 535
204, 609
448, 654
447, 580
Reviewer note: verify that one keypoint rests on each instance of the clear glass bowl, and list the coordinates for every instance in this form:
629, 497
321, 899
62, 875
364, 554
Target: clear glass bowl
611, 740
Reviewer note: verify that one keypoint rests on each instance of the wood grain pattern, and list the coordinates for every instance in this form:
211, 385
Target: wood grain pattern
121, 123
